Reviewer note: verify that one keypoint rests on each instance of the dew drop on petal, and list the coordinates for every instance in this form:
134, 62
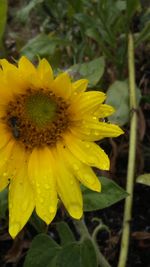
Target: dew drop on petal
75, 167
47, 186
94, 118
75, 210
52, 209
96, 133
87, 145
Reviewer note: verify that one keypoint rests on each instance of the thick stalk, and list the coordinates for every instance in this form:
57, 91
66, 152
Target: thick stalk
131, 157
82, 228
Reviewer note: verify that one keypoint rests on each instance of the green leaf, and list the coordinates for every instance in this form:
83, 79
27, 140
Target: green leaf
69, 256
65, 233
24, 12
88, 255
92, 70
43, 252
3, 203
3, 17
118, 97
144, 179
42, 45
77, 254
110, 194
132, 7
143, 35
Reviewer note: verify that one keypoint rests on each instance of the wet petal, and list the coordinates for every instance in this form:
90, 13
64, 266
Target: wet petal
11, 167
80, 85
93, 130
21, 201
88, 152
104, 111
86, 102
68, 188
80, 170
41, 174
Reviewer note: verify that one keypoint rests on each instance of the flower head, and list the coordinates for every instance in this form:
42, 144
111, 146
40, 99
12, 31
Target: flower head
47, 131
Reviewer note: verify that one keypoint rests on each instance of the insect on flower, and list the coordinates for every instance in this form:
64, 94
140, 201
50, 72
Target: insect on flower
14, 126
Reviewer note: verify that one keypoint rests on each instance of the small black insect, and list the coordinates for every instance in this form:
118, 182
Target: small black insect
14, 126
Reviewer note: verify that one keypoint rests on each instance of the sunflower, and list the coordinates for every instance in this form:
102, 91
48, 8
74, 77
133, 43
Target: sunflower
47, 131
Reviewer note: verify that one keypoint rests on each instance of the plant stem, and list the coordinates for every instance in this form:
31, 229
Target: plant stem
82, 228
131, 157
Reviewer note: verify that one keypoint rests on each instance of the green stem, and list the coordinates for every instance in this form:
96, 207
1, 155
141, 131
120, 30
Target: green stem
82, 228
131, 157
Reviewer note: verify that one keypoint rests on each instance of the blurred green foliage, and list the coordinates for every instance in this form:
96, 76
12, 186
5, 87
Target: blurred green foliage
69, 32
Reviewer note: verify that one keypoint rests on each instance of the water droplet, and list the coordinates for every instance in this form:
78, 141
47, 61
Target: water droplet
75, 167
52, 209
94, 118
75, 210
87, 145
88, 132
5, 174
96, 133
47, 186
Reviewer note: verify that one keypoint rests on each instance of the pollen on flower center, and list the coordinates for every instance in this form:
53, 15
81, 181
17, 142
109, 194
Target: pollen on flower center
37, 118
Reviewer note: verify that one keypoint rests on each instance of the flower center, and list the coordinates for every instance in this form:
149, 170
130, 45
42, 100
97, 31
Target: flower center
40, 108
37, 118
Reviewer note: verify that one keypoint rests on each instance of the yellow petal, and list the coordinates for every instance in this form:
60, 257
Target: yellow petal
104, 111
88, 152
103, 129
62, 85
4, 135
93, 130
11, 167
6, 66
80, 170
29, 74
86, 102
5, 152
41, 174
68, 188
21, 201
45, 73
80, 85
26, 67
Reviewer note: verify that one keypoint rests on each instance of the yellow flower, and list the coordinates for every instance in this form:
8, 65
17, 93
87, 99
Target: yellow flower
47, 131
